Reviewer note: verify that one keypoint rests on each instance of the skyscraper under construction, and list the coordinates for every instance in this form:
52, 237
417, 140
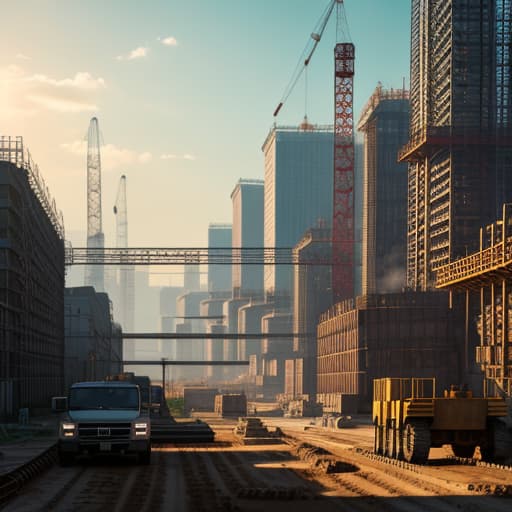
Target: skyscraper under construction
459, 151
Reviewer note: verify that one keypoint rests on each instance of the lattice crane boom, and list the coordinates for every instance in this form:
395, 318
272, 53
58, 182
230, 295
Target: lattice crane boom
95, 238
308, 52
94, 225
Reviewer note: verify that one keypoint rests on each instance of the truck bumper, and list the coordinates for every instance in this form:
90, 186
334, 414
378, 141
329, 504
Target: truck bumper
91, 447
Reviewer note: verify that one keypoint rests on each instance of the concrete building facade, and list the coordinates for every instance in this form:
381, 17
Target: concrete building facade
189, 305
270, 379
219, 276
385, 124
387, 335
312, 296
247, 200
94, 344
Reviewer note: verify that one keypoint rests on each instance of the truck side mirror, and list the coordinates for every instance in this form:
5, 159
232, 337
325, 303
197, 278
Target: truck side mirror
59, 403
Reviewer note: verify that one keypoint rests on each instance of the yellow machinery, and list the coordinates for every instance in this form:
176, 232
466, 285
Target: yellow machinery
409, 419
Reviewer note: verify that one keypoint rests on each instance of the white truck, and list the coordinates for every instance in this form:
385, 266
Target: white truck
103, 417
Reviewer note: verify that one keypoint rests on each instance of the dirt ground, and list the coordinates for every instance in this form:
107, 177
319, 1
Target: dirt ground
229, 476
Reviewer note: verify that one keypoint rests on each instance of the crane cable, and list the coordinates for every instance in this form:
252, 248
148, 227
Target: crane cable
308, 51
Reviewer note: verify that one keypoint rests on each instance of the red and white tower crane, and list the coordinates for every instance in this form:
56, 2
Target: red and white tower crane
343, 175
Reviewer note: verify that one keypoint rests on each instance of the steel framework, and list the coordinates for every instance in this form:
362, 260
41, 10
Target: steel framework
459, 152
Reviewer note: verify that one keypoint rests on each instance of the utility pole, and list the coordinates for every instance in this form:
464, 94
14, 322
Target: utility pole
163, 359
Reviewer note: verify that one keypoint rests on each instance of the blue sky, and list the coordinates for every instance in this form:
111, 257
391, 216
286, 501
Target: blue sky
184, 92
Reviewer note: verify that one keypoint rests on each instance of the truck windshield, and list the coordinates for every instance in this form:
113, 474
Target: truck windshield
104, 398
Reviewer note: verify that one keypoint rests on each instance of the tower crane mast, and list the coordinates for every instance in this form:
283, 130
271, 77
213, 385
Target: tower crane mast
126, 272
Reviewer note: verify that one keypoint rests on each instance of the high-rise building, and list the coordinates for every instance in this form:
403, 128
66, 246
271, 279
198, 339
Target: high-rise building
219, 276
247, 198
312, 296
31, 285
298, 193
188, 309
168, 297
191, 278
147, 319
385, 123
459, 152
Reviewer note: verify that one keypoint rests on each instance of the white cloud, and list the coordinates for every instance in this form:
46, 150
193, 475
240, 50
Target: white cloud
138, 53
22, 56
112, 156
25, 93
168, 41
145, 157
81, 80
172, 156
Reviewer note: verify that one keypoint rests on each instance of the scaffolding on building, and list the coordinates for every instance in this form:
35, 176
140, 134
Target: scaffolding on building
12, 150
458, 151
31, 291
486, 275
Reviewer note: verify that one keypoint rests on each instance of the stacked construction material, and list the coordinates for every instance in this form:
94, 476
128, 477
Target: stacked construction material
252, 431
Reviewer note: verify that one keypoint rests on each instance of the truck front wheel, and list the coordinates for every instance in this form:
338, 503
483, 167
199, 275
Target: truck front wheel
65, 459
144, 457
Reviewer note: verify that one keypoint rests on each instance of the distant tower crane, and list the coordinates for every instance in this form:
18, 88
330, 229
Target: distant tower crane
94, 274
126, 272
343, 196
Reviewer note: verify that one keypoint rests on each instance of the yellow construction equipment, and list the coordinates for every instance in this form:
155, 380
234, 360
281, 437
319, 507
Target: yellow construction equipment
409, 419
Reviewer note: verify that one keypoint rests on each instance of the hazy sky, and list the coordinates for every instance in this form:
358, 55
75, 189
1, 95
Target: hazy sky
184, 92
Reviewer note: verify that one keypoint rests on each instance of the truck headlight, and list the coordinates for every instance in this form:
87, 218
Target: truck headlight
68, 429
141, 429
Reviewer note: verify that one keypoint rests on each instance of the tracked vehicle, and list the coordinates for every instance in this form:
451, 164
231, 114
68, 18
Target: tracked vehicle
409, 419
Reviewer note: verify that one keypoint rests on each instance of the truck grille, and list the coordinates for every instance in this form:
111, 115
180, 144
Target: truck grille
104, 431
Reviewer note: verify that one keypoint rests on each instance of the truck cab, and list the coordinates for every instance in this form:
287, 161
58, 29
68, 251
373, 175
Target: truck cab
103, 417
